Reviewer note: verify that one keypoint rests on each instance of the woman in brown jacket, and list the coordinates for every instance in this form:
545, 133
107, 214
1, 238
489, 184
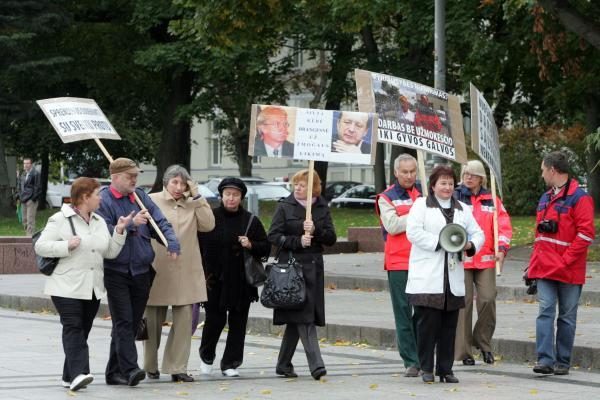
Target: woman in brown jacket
178, 283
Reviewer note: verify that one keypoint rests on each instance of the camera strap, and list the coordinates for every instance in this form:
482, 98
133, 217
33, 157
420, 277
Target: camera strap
562, 199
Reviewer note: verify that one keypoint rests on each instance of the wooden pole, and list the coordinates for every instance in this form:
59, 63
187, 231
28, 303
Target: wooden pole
422, 174
137, 199
311, 171
493, 185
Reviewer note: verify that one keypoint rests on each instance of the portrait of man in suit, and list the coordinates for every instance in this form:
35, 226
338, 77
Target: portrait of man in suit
351, 130
272, 133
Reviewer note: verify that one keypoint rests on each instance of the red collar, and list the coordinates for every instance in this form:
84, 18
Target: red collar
119, 195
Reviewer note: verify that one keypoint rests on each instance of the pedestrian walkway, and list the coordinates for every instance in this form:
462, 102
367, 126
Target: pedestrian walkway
31, 365
358, 308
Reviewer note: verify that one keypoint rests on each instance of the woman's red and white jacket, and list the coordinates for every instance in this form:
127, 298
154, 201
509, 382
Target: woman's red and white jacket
482, 206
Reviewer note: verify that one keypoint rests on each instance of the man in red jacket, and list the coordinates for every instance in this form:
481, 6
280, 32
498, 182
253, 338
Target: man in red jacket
564, 230
392, 207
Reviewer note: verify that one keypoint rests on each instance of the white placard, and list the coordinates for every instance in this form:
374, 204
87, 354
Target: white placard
77, 119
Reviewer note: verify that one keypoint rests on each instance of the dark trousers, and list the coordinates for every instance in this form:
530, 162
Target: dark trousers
127, 298
76, 317
307, 333
233, 356
436, 330
406, 325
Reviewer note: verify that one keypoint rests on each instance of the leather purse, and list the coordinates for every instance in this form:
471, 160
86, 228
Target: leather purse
285, 287
253, 267
46, 265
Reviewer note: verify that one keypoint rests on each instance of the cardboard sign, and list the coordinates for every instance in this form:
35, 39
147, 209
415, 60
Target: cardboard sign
77, 119
484, 134
413, 115
310, 134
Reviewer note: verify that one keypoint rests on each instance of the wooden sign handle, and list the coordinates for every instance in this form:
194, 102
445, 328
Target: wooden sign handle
493, 185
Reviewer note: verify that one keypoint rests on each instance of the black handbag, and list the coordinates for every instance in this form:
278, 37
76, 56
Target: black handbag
46, 265
253, 267
285, 287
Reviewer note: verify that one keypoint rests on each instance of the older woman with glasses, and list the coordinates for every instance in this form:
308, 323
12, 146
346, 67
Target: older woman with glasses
178, 283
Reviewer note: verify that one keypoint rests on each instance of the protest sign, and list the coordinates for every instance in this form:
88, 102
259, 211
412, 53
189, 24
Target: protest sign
484, 134
310, 134
77, 119
413, 115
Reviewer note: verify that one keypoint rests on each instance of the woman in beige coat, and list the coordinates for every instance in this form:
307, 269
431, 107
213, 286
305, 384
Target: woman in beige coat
178, 283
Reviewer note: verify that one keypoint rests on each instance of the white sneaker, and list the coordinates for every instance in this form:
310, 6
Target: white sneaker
231, 372
81, 381
205, 368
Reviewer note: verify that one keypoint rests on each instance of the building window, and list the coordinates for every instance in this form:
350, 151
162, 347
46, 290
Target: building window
216, 150
297, 53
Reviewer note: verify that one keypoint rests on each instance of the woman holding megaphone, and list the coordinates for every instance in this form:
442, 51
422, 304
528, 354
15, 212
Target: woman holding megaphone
436, 286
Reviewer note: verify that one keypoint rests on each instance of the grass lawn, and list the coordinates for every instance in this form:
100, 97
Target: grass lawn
343, 218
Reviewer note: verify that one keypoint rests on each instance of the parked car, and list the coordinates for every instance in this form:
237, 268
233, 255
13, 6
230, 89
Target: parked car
288, 185
361, 196
213, 183
213, 198
336, 188
59, 193
267, 192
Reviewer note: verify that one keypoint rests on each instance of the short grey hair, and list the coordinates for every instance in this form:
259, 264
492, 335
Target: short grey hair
403, 157
175, 171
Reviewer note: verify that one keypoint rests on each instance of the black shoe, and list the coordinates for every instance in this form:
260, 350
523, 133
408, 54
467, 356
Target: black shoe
182, 378
448, 378
318, 373
469, 361
153, 375
116, 380
286, 374
561, 370
488, 357
543, 369
427, 377
136, 376
412, 372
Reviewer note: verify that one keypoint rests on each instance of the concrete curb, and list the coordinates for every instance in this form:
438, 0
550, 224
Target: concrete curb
508, 349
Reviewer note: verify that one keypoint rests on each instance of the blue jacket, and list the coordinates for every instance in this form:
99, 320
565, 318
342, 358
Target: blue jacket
137, 254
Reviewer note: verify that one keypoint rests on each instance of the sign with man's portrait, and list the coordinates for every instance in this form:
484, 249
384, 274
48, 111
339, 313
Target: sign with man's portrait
413, 115
484, 134
77, 119
310, 134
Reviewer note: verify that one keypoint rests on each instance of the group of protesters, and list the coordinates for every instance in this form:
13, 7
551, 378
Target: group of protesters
104, 242
109, 245
433, 290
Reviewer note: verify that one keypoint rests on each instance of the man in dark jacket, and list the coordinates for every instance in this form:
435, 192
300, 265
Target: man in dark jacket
128, 277
30, 190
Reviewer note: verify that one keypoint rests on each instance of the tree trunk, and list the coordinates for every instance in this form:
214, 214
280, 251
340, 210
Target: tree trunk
175, 144
592, 123
243, 159
372, 52
6, 204
583, 26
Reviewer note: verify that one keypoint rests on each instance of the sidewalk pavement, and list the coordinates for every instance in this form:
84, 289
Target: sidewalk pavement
31, 365
358, 308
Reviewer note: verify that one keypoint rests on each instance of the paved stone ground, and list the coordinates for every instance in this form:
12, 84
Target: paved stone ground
31, 362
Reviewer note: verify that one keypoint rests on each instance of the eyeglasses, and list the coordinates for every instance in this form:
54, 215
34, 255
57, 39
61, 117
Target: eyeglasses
277, 124
470, 176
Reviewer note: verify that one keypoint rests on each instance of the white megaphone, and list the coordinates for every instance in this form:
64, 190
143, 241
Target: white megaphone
453, 238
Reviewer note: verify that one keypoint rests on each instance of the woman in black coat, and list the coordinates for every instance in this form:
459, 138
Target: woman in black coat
290, 226
229, 295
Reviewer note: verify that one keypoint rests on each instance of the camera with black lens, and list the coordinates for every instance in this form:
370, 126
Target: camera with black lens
548, 226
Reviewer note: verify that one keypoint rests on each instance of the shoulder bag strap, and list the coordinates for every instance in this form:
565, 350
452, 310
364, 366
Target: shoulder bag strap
249, 223
72, 226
